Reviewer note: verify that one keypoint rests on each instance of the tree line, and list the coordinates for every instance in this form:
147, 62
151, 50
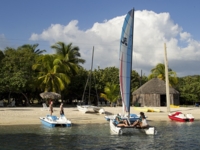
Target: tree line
26, 72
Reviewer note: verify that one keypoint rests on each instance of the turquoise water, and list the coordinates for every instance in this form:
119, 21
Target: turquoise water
171, 136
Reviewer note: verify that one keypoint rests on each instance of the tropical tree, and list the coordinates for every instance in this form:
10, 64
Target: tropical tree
159, 72
33, 48
102, 76
15, 71
135, 80
51, 75
1, 55
111, 92
1, 70
69, 55
75, 88
189, 88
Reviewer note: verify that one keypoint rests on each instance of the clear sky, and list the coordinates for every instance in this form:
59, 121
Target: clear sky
88, 23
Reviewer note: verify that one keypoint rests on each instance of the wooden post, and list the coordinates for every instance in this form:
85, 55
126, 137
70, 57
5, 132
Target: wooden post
167, 79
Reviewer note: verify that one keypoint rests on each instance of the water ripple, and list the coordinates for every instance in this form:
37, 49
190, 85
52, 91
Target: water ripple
171, 136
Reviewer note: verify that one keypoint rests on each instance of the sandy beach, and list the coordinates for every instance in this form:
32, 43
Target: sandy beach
30, 115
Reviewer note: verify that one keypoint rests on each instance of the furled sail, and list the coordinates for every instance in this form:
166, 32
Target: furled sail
125, 60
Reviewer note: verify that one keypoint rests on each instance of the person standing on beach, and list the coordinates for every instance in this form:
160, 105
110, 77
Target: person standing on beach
51, 108
61, 109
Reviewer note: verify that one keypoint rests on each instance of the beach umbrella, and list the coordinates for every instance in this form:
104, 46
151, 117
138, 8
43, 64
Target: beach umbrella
50, 95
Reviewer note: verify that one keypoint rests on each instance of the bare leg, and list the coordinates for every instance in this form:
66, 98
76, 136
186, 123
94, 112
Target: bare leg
135, 123
122, 125
125, 122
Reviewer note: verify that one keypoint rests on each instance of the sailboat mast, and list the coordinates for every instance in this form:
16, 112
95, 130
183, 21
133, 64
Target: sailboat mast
90, 76
167, 79
88, 79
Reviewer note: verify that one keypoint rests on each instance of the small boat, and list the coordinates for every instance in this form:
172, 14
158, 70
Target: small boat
90, 108
179, 116
143, 109
132, 118
131, 130
125, 69
54, 121
174, 106
146, 109
149, 109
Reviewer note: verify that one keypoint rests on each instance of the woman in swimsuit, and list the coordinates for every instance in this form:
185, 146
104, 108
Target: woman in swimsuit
142, 122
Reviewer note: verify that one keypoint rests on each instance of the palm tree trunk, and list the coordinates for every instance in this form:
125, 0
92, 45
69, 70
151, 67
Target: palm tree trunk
27, 101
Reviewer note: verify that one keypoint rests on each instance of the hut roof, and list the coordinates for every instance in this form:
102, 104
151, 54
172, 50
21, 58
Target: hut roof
154, 86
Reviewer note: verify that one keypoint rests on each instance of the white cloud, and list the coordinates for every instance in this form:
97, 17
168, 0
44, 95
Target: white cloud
184, 36
151, 31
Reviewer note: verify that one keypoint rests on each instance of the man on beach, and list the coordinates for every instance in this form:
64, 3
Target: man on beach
51, 108
61, 109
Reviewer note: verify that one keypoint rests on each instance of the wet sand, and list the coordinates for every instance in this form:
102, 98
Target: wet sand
30, 115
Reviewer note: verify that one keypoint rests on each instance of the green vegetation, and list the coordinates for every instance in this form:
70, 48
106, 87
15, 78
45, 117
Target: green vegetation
51, 75
159, 72
189, 89
26, 72
111, 92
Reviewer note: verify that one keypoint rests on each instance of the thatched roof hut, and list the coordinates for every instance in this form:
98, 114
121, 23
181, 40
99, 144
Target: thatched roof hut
153, 93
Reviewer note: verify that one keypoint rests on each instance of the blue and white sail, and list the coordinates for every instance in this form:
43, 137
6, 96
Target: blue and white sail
125, 69
125, 60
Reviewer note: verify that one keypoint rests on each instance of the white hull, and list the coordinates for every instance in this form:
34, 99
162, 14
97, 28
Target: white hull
90, 108
110, 117
131, 130
190, 116
53, 121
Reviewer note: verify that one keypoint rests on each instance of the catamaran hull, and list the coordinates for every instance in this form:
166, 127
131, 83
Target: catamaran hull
90, 108
53, 121
131, 130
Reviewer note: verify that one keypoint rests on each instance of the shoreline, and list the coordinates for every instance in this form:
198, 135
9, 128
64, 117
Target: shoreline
30, 115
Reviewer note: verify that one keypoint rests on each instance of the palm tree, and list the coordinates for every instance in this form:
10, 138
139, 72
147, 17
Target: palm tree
69, 55
1, 55
111, 92
159, 72
52, 77
33, 48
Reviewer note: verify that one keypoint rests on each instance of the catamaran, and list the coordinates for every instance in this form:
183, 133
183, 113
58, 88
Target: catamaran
89, 108
125, 68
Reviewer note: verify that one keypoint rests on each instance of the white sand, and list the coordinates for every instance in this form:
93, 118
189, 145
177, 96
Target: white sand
30, 115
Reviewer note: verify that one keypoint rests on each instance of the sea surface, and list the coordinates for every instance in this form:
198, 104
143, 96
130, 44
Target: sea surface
171, 136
